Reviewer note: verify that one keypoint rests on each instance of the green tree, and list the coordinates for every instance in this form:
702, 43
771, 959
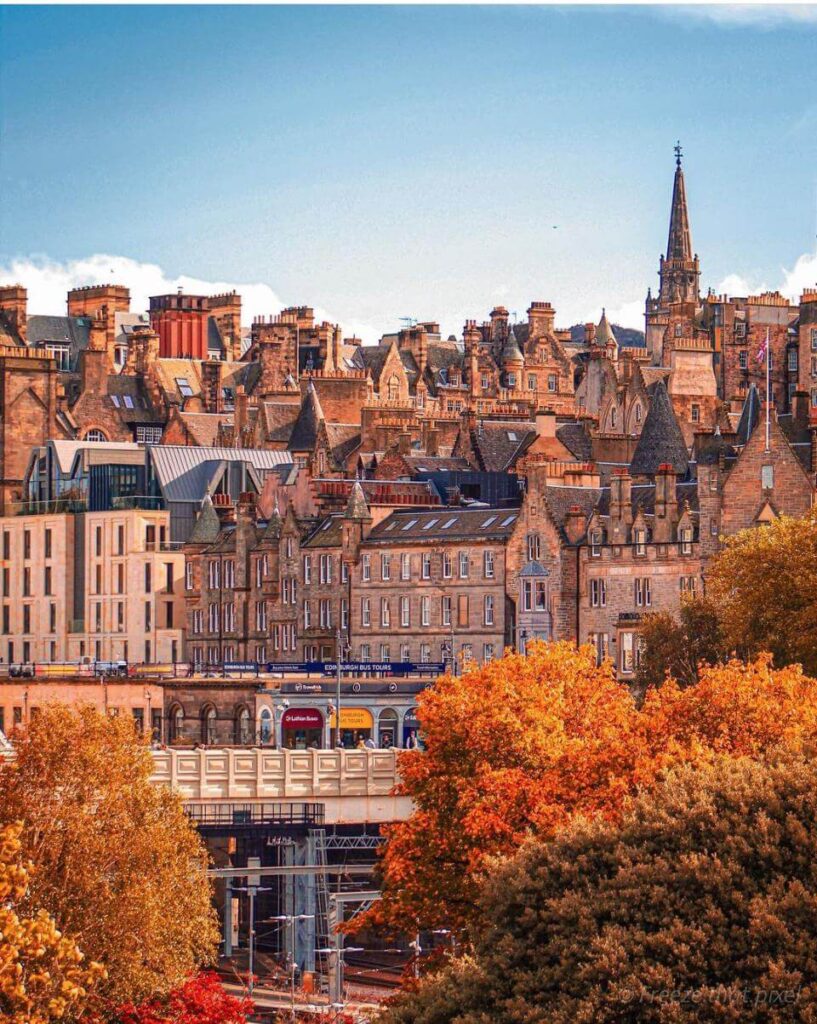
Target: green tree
699, 905
677, 647
764, 586
117, 863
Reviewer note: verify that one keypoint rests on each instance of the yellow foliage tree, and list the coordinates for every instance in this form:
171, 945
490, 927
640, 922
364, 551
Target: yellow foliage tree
43, 977
116, 860
764, 586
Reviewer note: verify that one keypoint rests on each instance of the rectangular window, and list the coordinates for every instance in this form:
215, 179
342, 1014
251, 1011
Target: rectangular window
325, 613
52, 618
640, 540
385, 612
552, 382
307, 569
98, 541
47, 580
27, 582
425, 611
325, 568
487, 652
767, 477
405, 567
527, 595
214, 575
120, 616
344, 572
188, 576
627, 653
405, 612
261, 616
425, 653
541, 595
643, 595
426, 566
598, 593
366, 612
366, 568
489, 610
814, 339
488, 565
47, 543
365, 652
198, 621
6, 582
26, 620
463, 565
169, 577
696, 413
448, 570
595, 543
686, 540
285, 590
148, 578
601, 641
120, 540
6, 544
534, 547
307, 615
446, 611
148, 615
463, 616
344, 613
385, 567
792, 360
743, 359
531, 382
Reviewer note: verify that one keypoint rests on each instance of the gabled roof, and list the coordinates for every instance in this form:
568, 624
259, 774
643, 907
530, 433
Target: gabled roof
75, 331
444, 523
185, 473
497, 444
305, 432
574, 437
661, 440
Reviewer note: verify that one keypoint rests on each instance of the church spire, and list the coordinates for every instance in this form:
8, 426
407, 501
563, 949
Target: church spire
679, 243
679, 271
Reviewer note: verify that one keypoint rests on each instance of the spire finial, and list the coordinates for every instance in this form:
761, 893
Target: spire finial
678, 153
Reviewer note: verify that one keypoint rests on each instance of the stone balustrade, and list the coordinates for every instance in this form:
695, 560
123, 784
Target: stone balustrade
353, 785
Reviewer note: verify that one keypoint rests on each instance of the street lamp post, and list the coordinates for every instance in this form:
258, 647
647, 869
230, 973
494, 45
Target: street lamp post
291, 919
341, 649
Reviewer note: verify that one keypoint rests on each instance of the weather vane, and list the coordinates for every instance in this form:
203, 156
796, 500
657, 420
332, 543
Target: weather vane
678, 153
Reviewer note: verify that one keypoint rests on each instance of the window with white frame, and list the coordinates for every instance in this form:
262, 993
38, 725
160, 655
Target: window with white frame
385, 652
445, 606
688, 585
385, 567
405, 566
325, 613
405, 652
425, 611
686, 540
385, 612
285, 589
307, 569
307, 615
229, 617
425, 653
487, 652
261, 615
627, 657
640, 540
598, 592
426, 565
212, 618
488, 565
366, 568
325, 566
534, 547
643, 595
405, 611
366, 612
198, 621
595, 543
489, 610
532, 382
553, 382
276, 638
448, 569
229, 573
365, 652
541, 594
344, 572
214, 574
463, 565
601, 641
288, 547
188, 576
344, 613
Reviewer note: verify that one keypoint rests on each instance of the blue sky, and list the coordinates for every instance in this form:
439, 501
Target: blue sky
380, 162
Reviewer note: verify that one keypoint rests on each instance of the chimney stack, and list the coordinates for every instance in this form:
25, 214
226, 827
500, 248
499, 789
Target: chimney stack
621, 507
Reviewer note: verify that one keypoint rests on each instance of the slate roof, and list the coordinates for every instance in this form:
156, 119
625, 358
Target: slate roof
561, 499
661, 440
749, 416
208, 526
122, 386
498, 444
328, 533
711, 448
344, 438
574, 437
76, 330
435, 464
204, 426
305, 431
511, 352
443, 524
278, 420
356, 507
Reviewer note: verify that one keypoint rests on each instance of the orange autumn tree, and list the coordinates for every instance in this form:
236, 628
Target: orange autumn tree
522, 745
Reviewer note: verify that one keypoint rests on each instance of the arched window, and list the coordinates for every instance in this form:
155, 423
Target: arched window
393, 387
208, 724
243, 734
95, 435
176, 723
387, 728
613, 417
266, 725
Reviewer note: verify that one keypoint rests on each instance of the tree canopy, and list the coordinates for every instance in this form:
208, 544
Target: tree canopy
700, 904
117, 863
523, 745
764, 585
677, 647
43, 973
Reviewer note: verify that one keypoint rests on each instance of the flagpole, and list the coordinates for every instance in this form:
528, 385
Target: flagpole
768, 411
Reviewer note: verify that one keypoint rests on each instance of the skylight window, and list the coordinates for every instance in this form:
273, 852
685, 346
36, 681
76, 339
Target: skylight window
508, 520
390, 527
326, 525
409, 524
115, 400
128, 402
183, 385
489, 520
512, 436
430, 523
448, 522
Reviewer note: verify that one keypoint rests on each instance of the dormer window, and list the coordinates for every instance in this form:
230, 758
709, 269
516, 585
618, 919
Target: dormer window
686, 540
60, 354
595, 543
640, 541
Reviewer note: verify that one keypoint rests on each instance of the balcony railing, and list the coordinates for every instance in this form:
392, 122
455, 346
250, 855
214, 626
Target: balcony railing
222, 815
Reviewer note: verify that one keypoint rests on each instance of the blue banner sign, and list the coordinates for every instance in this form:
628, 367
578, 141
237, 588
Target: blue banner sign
393, 668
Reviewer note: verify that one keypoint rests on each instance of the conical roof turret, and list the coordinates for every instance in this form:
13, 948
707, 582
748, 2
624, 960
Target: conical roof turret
356, 507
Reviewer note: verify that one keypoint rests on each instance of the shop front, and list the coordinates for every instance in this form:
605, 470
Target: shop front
356, 726
411, 729
301, 728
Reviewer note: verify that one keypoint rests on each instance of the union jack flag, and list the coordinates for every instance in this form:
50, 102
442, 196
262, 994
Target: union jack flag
761, 352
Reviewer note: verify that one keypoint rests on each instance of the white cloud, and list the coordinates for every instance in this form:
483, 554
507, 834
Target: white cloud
628, 314
49, 281
791, 284
758, 14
